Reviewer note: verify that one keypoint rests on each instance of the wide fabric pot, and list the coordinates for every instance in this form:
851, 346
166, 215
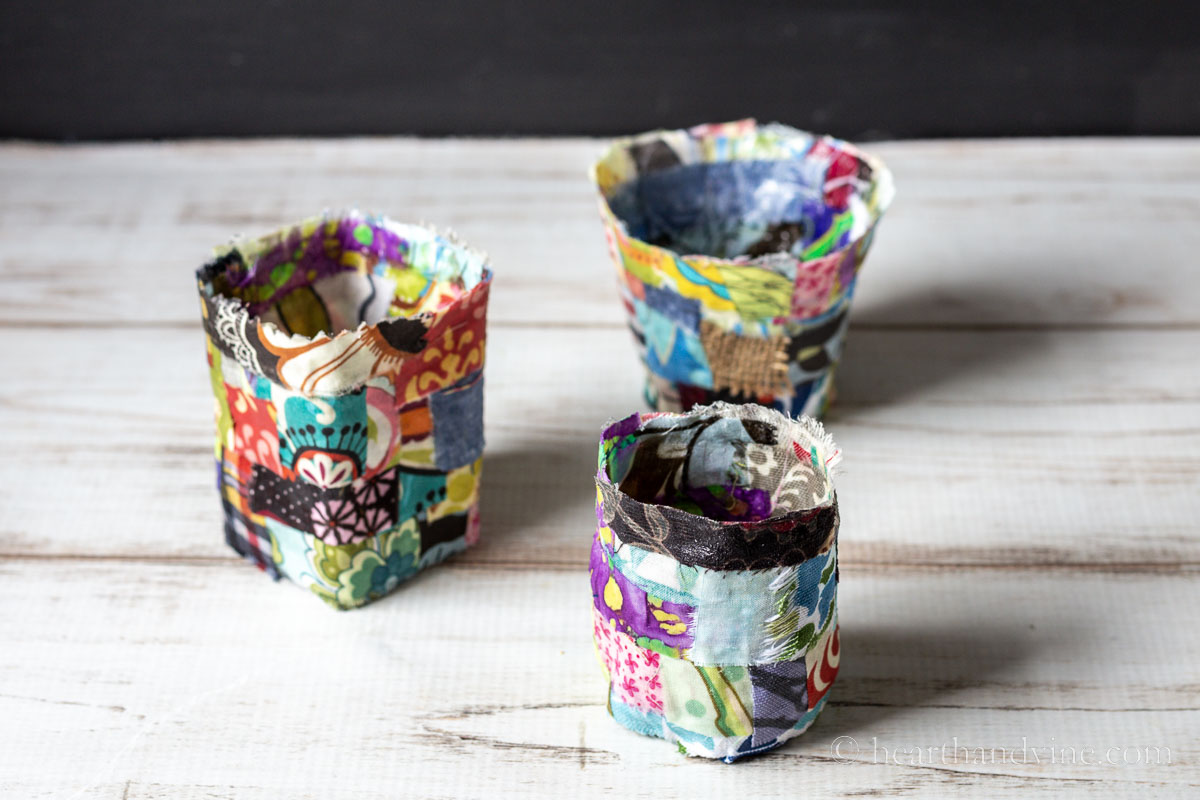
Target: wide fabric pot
346, 357
737, 249
714, 576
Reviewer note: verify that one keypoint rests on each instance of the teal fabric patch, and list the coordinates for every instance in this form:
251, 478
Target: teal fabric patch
642, 722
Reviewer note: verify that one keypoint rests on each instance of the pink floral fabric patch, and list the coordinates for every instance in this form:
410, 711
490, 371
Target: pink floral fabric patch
633, 671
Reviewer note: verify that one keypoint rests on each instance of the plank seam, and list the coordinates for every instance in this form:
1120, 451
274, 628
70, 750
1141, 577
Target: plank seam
1182, 568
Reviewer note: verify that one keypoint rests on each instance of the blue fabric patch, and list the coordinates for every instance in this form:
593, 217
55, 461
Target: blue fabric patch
796, 403
683, 311
419, 491
262, 386
811, 716
293, 551
684, 735
810, 593
749, 749
673, 352
458, 423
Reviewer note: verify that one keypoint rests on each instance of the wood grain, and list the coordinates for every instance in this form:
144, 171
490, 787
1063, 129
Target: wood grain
966, 448
173, 680
1019, 406
1052, 232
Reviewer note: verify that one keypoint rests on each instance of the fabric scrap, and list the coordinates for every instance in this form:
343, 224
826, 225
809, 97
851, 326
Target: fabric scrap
457, 413
745, 365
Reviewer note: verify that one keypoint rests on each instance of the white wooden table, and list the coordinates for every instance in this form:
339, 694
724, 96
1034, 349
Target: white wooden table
1020, 412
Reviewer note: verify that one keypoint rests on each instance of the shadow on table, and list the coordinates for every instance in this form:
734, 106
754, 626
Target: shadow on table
891, 671
544, 483
892, 354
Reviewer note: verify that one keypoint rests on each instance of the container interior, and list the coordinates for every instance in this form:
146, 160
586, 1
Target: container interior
746, 464
804, 207
331, 275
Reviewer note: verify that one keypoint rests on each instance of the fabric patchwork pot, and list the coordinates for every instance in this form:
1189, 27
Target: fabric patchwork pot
346, 357
714, 576
737, 248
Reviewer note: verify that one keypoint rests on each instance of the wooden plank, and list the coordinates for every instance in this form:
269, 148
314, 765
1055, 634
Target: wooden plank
1035, 448
149, 680
1028, 233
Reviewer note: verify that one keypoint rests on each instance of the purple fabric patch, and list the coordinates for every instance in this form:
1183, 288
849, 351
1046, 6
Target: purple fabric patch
301, 261
634, 613
735, 504
780, 698
622, 428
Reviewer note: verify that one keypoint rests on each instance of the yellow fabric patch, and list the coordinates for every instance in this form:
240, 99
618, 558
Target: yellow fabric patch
757, 293
700, 279
462, 489
612, 595
668, 622
642, 261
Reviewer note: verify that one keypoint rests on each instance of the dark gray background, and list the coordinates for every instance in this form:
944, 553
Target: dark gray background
862, 70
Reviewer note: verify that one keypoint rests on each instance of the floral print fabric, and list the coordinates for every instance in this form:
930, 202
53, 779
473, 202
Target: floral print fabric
724, 660
633, 670
737, 249
346, 359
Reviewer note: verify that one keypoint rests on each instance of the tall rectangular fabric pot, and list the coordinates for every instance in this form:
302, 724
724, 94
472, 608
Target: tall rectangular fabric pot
346, 358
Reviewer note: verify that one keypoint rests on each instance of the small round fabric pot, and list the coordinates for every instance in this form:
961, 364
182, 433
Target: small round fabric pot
737, 249
714, 576
346, 359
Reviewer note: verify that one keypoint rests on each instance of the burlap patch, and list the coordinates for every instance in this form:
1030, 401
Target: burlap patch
746, 364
